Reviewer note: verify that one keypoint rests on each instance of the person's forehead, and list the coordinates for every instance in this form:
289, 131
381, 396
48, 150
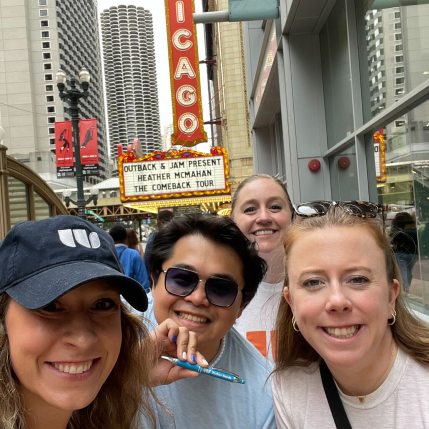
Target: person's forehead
261, 189
201, 253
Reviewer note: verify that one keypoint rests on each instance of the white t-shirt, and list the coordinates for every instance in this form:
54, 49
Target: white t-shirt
401, 402
257, 323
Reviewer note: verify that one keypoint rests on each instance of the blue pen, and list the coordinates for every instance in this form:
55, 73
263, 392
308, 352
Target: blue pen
234, 378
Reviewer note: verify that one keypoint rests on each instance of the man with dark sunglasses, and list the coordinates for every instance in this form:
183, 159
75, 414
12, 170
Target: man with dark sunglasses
203, 272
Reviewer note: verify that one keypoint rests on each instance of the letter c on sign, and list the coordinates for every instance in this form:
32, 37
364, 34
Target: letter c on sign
188, 123
183, 32
186, 95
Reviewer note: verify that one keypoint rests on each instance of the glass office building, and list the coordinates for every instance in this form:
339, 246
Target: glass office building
339, 106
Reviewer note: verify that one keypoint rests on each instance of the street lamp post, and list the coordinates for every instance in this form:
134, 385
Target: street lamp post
74, 95
94, 197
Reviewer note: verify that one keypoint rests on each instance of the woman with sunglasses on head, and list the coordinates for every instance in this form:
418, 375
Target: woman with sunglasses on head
203, 272
349, 353
71, 354
263, 211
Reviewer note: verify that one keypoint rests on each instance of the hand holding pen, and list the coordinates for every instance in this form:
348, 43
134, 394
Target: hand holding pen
213, 372
173, 340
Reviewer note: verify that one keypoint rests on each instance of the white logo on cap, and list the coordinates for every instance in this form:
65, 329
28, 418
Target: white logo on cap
80, 237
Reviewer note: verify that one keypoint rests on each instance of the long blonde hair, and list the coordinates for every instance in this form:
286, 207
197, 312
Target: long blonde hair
410, 333
123, 398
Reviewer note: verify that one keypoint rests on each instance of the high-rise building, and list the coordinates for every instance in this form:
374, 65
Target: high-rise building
166, 137
37, 38
130, 73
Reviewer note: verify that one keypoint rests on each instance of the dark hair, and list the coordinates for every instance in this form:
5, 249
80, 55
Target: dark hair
165, 216
403, 220
219, 230
118, 233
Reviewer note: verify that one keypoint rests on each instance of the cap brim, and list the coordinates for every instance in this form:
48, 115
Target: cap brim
47, 286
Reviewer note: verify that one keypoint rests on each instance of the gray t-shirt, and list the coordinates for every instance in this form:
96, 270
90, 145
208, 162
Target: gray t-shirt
401, 402
209, 403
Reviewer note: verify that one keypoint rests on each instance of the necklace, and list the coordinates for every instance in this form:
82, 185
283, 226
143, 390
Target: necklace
386, 371
220, 352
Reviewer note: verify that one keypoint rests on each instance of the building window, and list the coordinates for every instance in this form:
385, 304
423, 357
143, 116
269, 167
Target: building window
398, 36
399, 70
50, 109
45, 34
47, 66
49, 88
399, 48
44, 23
399, 91
399, 59
399, 81
397, 25
50, 98
48, 77
46, 45
397, 15
51, 141
43, 2
399, 123
47, 55
51, 130
43, 12
51, 119
39, 158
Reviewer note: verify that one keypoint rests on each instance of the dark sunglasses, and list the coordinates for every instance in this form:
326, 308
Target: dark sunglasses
356, 208
182, 282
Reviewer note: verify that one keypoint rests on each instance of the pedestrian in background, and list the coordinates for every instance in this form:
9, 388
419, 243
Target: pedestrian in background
163, 217
133, 241
130, 259
404, 242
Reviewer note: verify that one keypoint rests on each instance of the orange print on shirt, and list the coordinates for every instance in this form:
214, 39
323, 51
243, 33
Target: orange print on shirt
259, 340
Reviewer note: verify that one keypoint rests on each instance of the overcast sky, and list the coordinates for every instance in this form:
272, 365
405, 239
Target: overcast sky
156, 7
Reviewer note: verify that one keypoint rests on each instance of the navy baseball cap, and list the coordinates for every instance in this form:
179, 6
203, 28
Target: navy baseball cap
45, 259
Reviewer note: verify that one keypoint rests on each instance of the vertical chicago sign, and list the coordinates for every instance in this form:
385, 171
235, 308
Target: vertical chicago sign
184, 73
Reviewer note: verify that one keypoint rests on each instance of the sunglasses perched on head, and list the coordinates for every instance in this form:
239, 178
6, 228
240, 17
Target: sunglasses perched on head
182, 282
356, 208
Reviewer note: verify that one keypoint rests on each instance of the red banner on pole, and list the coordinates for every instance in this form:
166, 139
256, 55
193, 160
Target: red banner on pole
184, 73
88, 146
64, 149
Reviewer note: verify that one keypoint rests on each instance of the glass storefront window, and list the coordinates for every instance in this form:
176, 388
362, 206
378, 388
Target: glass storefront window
334, 51
18, 201
344, 180
396, 51
404, 192
41, 207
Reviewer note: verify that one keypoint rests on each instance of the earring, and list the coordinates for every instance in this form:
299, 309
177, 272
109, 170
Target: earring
393, 317
294, 324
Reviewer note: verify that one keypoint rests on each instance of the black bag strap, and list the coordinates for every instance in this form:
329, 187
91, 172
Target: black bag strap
335, 404
120, 254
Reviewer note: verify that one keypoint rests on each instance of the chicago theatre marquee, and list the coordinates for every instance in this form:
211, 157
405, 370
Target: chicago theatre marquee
179, 177
163, 180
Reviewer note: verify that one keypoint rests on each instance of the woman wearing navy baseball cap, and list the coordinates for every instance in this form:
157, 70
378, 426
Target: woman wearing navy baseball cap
71, 354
